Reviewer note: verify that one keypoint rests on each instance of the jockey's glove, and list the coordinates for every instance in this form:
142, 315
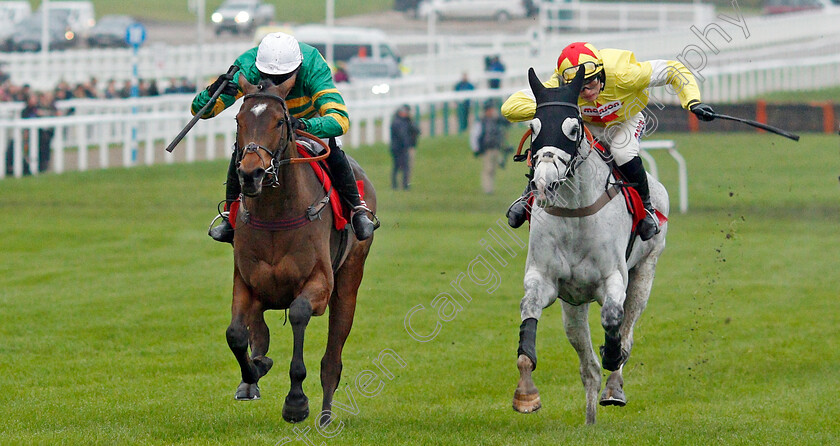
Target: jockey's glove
297, 124
230, 88
703, 111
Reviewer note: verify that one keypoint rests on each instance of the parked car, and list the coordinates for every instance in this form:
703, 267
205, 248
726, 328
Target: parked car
80, 15
238, 16
786, 6
12, 13
110, 31
26, 36
500, 10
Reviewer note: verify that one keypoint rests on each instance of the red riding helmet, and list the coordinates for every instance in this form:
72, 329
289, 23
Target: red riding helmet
577, 54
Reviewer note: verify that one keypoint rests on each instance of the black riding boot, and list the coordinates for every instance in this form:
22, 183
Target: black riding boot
517, 213
224, 231
344, 182
634, 172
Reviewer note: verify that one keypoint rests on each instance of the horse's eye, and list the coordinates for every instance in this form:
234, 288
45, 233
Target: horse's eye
281, 122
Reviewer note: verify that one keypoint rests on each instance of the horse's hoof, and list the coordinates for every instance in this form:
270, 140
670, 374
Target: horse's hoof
526, 402
247, 392
296, 412
263, 365
613, 397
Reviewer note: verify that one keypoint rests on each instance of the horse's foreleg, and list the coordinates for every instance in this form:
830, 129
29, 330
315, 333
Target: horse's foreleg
296, 406
237, 338
612, 314
575, 322
539, 293
259, 344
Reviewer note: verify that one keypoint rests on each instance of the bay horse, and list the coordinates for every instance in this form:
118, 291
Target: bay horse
287, 252
578, 250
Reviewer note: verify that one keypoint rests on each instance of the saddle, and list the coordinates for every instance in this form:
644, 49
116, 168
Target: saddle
341, 213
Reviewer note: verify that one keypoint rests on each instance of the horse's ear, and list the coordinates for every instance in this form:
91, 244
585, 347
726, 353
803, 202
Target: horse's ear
245, 86
284, 88
577, 82
534, 81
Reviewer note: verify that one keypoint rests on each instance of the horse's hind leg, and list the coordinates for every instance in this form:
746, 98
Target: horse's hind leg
638, 291
575, 322
296, 406
238, 337
342, 311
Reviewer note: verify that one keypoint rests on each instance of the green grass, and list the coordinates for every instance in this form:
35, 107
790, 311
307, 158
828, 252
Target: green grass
822, 95
295, 11
114, 304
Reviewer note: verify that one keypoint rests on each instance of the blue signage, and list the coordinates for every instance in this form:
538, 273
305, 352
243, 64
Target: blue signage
135, 35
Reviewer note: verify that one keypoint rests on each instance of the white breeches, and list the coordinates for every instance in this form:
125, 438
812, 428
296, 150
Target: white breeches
621, 138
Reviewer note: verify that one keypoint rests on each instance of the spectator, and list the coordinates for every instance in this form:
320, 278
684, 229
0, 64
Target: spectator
46, 107
487, 139
495, 69
464, 106
341, 73
30, 110
404, 134
63, 90
125, 91
153, 88
111, 91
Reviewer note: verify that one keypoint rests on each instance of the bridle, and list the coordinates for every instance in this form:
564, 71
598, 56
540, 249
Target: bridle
275, 155
574, 159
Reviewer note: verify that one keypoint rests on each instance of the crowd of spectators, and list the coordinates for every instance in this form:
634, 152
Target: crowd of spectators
91, 89
42, 103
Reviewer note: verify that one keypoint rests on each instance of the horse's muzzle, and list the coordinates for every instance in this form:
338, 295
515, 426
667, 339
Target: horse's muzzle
546, 193
251, 182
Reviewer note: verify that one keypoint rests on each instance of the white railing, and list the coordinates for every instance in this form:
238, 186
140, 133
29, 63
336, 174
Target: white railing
623, 16
682, 168
154, 61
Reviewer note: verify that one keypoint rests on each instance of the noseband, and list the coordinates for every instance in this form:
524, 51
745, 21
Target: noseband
276, 155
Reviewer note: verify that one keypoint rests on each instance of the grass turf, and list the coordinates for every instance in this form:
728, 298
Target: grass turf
114, 304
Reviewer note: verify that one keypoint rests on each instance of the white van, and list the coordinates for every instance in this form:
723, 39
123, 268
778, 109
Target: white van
12, 13
348, 42
80, 15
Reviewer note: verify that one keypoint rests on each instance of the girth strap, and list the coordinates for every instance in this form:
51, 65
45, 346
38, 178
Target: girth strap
605, 198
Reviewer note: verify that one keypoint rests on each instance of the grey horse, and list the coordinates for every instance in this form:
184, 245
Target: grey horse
578, 250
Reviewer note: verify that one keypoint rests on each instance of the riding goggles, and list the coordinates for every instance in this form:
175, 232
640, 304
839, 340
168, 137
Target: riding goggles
590, 69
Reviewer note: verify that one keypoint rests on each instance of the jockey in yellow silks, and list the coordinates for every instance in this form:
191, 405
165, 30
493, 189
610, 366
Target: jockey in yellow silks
612, 99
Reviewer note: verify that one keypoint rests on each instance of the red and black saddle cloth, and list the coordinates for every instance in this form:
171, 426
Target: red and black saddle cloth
341, 212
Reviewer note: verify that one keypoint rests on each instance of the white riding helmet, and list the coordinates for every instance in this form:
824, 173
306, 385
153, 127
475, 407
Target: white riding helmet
278, 53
